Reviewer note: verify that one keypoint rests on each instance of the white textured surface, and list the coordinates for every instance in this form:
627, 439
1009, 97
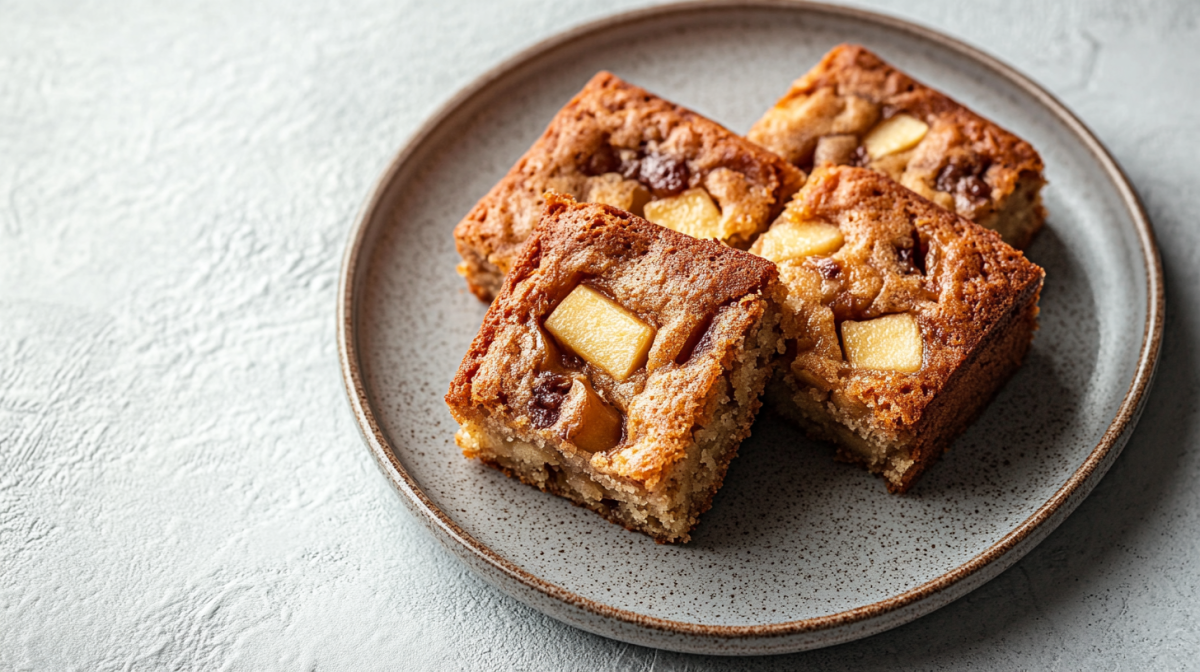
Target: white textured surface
181, 482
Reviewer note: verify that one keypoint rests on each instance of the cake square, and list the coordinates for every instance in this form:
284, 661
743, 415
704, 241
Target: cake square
855, 109
902, 321
618, 144
620, 366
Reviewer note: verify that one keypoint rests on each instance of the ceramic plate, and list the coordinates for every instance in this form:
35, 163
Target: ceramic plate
798, 551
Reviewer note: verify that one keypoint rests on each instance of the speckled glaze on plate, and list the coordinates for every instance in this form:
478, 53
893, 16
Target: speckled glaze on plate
798, 551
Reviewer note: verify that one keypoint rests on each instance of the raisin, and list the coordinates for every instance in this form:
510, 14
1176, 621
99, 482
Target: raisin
543, 417
975, 187
663, 174
962, 176
860, 158
603, 160
947, 179
912, 258
631, 168
549, 390
828, 268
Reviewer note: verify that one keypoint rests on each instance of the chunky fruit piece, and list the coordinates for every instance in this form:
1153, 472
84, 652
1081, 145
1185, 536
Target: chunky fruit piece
613, 189
691, 212
835, 150
890, 343
789, 239
897, 134
601, 332
587, 421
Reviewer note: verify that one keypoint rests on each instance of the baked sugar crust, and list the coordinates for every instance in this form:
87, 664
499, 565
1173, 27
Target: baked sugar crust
964, 163
619, 144
716, 314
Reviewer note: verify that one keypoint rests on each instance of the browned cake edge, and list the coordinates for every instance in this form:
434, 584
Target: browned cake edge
972, 388
961, 401
1020, 215
484, 278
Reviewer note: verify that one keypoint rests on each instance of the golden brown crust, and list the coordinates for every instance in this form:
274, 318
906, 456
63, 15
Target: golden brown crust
852, 89
616, 129
682, 286
968, 290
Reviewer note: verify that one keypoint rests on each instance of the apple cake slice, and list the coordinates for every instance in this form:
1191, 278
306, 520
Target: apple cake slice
855, 109
620, 366
902, 319
618, 144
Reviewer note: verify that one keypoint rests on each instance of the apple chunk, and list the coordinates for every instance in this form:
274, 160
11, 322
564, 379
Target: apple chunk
587, 421
897, 134
613, 189
836, 150
691, 212
788, 239
890, 343
601, 332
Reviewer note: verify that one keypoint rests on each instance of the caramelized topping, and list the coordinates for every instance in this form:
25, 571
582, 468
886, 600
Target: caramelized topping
588, 422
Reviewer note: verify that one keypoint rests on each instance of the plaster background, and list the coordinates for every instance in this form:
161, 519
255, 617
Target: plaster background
182, 485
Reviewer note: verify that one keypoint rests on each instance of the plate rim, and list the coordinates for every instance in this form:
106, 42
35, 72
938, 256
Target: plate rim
1062, 502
